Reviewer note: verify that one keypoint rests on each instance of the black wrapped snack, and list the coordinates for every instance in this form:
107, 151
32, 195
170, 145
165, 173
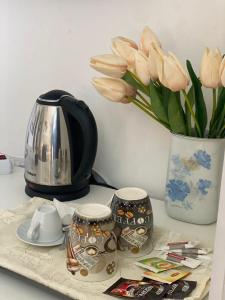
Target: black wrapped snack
179, 289
138, 289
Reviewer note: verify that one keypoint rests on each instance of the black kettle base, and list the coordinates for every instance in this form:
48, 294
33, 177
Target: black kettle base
61, 197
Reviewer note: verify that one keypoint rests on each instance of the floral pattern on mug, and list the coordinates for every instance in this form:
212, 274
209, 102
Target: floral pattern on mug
181, 188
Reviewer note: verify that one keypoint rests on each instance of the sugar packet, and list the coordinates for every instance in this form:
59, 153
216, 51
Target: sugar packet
194, 251
156, 264
184, 260
138, 289
177, 245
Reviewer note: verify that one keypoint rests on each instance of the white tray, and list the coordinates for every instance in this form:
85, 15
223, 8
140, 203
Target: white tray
47, 265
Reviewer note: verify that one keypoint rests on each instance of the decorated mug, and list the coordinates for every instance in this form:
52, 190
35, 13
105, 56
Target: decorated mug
132, 213
92, 244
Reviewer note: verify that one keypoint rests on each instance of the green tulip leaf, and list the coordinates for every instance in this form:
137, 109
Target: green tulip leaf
176, 114
217, 128
158, 87
220, 90
165, 97
191, 97
131, 79
157, 103
200, 107
218, 118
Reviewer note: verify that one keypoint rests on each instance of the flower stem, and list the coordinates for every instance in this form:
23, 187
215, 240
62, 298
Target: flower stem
214, 103
144, 87
157, 83
221, 131
143, 99
145, 109
191, 111
146, 106
212, 123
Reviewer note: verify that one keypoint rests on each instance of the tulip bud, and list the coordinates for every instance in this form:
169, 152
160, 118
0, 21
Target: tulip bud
125, 48
148, 37
141, 67
209, 71
222, 72
113, 89
154, 59
171, 73
109, 64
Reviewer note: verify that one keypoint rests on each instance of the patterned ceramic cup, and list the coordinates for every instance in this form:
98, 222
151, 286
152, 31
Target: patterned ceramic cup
132, 212
91, 243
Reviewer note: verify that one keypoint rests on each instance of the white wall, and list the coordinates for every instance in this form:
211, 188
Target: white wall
47, 44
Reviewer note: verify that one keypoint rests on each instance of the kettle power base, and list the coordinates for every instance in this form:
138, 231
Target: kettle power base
61, 197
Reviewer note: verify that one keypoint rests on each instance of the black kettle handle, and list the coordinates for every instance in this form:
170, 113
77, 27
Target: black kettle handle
82, 114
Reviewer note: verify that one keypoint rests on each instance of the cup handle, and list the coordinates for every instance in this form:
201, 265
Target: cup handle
33, 231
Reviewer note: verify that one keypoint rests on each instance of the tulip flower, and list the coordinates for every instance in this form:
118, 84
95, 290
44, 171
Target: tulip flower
141, 67
148, 38
125, 48
155, 59
113, 89
109, 64
171, 73
222, 72
209, 71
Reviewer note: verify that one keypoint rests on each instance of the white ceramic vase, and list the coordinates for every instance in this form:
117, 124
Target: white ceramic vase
193, 179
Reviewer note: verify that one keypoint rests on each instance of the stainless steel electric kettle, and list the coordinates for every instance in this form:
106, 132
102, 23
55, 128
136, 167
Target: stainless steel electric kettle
60, 149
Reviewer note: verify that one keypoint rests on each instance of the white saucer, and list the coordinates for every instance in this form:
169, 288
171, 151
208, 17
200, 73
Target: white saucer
21, 234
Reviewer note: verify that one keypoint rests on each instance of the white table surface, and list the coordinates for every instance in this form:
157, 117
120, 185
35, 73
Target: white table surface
13, 286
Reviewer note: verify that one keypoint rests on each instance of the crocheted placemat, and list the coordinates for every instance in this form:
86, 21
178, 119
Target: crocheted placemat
47, 265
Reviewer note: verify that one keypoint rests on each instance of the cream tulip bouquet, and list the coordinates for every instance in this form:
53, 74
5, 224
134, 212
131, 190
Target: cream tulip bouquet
157, 83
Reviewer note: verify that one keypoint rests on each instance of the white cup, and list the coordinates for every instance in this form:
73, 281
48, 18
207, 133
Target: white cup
65, 212
46, 225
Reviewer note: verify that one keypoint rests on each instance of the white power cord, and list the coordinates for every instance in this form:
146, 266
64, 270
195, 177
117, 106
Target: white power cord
17, 161
8, 162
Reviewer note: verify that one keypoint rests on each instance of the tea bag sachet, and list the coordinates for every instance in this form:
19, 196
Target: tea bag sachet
168, 276
156, 264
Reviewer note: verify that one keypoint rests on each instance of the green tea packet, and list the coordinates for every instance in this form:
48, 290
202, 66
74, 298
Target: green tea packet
156, 264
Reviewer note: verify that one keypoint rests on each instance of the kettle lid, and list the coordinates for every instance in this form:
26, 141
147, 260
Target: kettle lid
52, 97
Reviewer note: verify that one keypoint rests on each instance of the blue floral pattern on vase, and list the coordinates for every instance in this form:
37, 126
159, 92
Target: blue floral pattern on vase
203, 159
180, 169
204, 185
177, 190
181, 188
